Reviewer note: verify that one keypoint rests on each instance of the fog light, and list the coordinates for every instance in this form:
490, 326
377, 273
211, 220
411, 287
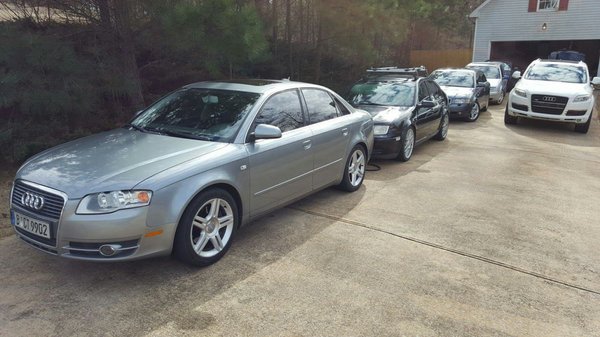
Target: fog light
109, 250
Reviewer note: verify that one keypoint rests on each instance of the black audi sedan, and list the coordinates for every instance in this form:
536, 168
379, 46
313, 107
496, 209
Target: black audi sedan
468, 91
407, 110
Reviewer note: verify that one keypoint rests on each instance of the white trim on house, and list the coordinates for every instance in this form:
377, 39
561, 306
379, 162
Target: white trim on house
475, 13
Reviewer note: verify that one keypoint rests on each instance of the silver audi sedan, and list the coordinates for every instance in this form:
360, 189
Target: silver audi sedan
189, 170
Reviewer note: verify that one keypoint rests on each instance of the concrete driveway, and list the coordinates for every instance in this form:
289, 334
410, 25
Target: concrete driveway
494, 232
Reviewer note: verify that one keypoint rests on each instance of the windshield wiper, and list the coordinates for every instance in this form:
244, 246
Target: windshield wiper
186, 135
132, 126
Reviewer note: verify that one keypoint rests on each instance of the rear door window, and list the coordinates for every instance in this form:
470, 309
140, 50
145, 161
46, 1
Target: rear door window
321, 106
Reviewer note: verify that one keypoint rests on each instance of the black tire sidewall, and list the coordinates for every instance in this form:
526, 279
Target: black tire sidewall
182, 246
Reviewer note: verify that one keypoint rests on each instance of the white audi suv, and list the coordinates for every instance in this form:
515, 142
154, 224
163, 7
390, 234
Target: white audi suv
553, 90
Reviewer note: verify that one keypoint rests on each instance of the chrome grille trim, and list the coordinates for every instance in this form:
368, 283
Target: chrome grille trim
548, 104
54, 201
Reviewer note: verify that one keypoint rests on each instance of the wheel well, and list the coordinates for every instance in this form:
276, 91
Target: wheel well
364, 146
231, 190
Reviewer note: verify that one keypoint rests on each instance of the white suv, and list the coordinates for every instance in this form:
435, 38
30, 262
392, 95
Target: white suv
553, 90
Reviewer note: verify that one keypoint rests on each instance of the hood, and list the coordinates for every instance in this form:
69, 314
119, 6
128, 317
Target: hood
387, 114
456, 92
113, 160
554, 88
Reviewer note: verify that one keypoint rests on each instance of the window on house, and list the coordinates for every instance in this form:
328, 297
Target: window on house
548, 5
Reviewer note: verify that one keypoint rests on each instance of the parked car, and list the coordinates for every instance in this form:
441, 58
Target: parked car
493, 74
420, 71
407, 110
189, 170
567, 55
553, 90
467, 89
507, 70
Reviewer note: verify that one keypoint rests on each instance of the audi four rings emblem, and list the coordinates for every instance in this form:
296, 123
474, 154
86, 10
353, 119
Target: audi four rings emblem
549, 99
32, 201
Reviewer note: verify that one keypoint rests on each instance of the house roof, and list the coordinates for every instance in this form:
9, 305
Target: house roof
475, 13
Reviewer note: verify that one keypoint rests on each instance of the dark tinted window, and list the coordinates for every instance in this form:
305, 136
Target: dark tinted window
320, 105
433, 89
422, 91
282, 110
342, 108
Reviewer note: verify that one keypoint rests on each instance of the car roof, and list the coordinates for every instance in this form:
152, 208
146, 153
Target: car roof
560, 61
259, 86
458, 69
483, 64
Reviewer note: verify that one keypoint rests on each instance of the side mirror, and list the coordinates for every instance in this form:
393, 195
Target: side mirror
596, 82
516, 75
427, 104
266, 131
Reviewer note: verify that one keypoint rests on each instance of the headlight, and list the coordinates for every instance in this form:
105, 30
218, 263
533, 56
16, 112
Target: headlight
381, 130
107, 202
582, 98
520, 92
462, 100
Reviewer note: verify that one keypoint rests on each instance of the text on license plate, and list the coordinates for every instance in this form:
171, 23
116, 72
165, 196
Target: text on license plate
34, 226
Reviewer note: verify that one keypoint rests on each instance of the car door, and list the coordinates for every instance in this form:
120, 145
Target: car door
425, 114
483, 91
438, 97
331, 132
281, 168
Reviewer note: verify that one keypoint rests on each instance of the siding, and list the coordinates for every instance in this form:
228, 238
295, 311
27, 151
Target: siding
509, 20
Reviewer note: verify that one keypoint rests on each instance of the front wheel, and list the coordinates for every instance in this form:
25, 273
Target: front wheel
408, 144
207, 227
508, 119
501, 98
354, 172
474, 113
583, 128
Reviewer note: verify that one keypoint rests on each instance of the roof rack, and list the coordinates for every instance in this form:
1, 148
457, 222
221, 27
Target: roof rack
413, 71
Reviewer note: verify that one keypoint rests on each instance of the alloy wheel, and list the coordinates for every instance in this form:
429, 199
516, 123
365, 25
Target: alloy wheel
356, 167
212, 227
409, 143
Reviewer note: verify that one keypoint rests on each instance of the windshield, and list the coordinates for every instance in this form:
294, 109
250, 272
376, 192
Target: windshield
383, 93
491, 72
205, 114
462, 79
557, 72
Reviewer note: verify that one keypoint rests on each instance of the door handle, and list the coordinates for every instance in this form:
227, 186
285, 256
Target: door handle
345, 131
307, 144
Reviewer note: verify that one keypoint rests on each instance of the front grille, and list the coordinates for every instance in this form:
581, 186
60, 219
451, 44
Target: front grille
546, 104
53, 203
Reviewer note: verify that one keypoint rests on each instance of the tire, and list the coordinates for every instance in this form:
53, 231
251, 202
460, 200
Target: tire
501, 99
201, 238
354, 171
508, 119
583, 128
408, 144
474, 113
443, 129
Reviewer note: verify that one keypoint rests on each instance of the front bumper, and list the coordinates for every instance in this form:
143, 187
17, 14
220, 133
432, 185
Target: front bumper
577, 113
387, 146
79, 237
460, 110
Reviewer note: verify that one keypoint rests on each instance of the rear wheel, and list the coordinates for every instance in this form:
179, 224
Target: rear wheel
207, 227
508, 119
583, 128
354, 173
443, 130
408, 144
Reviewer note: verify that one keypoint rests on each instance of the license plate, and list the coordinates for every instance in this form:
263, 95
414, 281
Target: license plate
33, 226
